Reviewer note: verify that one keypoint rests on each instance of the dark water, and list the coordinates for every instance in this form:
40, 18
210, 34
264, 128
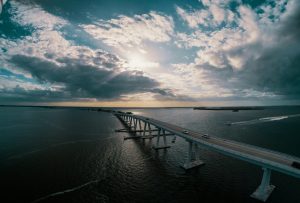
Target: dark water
71, 155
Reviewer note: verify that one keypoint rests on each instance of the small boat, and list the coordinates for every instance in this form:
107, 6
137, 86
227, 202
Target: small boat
228, 123
185, 132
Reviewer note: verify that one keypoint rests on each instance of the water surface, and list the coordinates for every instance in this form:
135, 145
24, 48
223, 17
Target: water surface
72, 155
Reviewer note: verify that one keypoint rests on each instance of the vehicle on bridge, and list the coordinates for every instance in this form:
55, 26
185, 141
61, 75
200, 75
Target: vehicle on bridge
206, 136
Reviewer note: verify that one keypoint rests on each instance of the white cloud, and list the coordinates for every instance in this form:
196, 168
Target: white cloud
217, 13
274, 13
216, 2
213, 14
47, 41
199, 84
213, 58
32, 14
217, 45
249, 24
131, 31
194, 18
236, 62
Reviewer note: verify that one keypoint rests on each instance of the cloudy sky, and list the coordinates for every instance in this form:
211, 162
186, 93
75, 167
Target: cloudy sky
151, 53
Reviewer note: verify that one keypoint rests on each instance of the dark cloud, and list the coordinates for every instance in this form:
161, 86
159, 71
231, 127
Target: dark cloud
277, 69
270, 67
274, 71
81, 80
20, 94
289, 28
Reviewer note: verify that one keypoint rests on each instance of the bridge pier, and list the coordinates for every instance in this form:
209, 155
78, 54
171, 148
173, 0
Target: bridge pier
149, 136
164, 146
134, 124
130, 122
264, 190
140, 127
131, 127
192, 160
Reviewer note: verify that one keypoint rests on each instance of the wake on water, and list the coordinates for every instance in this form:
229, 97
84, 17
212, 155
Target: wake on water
72, 190
263, 120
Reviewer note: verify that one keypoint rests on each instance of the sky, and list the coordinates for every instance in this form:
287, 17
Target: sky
150, 53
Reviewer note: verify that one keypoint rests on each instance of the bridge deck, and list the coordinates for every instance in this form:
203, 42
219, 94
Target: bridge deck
266, 158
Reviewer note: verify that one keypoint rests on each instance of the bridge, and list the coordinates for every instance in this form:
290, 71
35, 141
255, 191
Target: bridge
141, 127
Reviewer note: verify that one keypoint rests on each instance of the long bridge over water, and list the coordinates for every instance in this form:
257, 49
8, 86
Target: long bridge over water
148, 128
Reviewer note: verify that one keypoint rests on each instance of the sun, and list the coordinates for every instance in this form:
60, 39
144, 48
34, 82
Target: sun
140, 61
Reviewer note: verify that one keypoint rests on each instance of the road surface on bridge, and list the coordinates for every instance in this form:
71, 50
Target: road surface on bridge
257, 155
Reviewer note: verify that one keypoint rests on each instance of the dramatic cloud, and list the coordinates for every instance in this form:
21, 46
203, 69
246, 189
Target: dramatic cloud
131, 31
259, 55
209, 50
78, 80
213, 14
277, 67
56, 69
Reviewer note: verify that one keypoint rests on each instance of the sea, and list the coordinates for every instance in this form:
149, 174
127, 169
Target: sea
76, 155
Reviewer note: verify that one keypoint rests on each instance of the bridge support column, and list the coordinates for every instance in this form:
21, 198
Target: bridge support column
140, 127
145, 128
149, 136
130, 122
264, 190
192, 160
135, 124
131, 128
164, 146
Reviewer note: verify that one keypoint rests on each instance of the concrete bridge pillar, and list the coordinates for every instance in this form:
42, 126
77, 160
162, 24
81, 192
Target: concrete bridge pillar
149, 128
158, 146
145, 128
149, 136
140, 127
130, 122
135, 124
192, 160
264, 190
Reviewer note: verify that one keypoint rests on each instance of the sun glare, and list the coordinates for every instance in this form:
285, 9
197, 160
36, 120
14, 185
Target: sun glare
140, 61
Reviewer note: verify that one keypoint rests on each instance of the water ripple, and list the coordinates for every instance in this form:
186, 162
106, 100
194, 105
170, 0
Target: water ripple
18, 156
71, 190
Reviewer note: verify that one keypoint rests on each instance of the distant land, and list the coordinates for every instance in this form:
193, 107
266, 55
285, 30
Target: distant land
231, 108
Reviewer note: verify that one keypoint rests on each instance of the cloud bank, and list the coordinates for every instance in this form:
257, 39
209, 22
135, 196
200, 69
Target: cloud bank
203, 51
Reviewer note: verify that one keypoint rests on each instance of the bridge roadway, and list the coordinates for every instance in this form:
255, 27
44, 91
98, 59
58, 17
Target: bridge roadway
260, 156
267, 159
